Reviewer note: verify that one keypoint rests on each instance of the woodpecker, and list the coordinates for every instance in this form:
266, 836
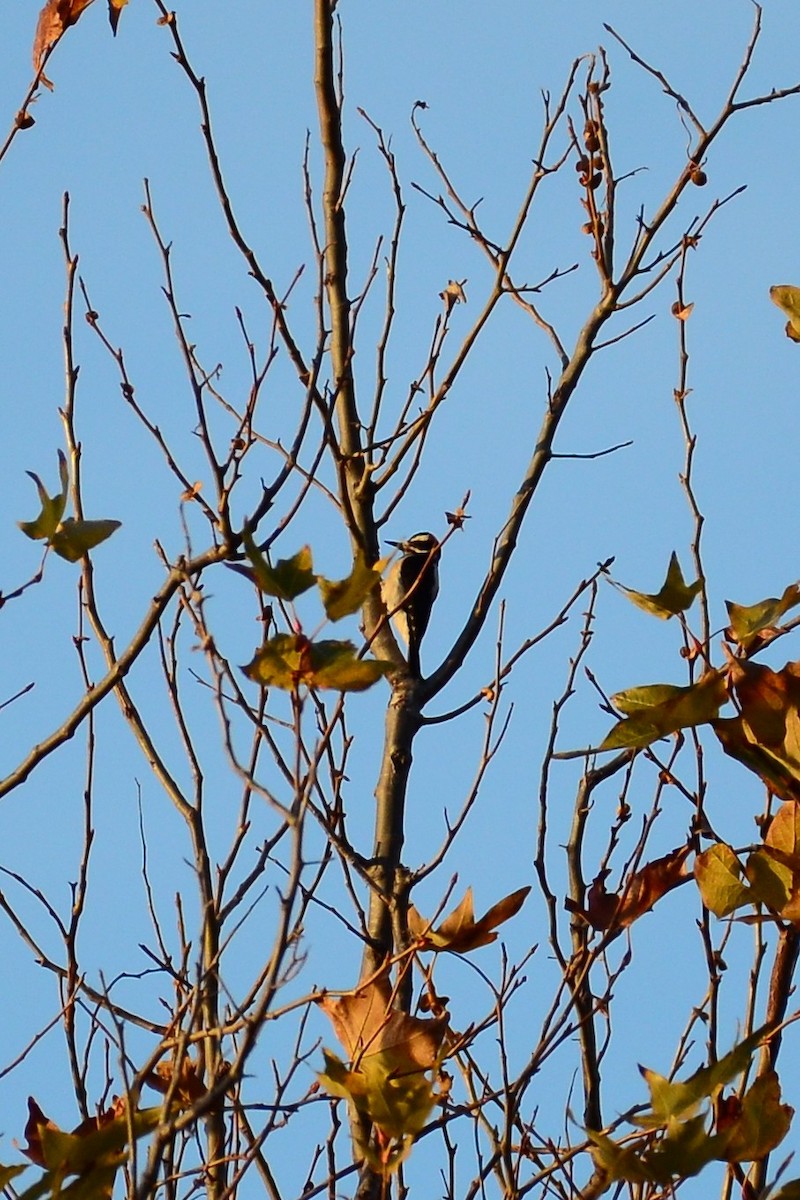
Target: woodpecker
410, 589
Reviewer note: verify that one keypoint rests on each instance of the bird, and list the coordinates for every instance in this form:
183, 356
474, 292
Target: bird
410, 589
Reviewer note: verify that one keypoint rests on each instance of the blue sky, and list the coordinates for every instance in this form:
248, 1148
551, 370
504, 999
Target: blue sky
122, 112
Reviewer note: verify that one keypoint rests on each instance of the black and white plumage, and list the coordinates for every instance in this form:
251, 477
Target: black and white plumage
410, 589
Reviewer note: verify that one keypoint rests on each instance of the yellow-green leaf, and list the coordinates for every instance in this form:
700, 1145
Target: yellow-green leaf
74, 538
718, 874
748, 621
618, 1162
336, 665
281, 662
45, 525
686, 1149
787, 298
343, 597
770, 879
676, 595
680, 708
669, 1098
639, 699
288, 579
290, 660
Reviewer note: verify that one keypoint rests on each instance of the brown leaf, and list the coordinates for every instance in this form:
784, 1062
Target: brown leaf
764, 696
115, 8
460, 932
766, 736
453, 294
366, 1023
682, 312
762, 1123
54, 19
188, 1086
609, 910
33, 1136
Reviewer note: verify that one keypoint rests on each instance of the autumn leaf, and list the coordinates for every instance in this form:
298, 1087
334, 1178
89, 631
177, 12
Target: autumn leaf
460, 932
618, 1162
390, 1054
682, 312
7, 1173
185, 1086
343, 597
69, 538
45, 525
766, 734
718, 873
787, 298
606, 910
661, 709
115, 8
749, 623
290, 660
74, 538
673, 1098
453, 294
54, 19
762, 1123
288, 579
774, 869
366, 1023
676, 596
789, 1191
94, 1150
679, 1141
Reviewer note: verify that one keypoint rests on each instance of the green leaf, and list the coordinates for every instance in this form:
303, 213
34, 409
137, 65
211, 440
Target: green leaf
74, 538
343, 597
679, 1099
747, 622
787, 298
288, 579
53, 507
673, 708
676, 596
718, 874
